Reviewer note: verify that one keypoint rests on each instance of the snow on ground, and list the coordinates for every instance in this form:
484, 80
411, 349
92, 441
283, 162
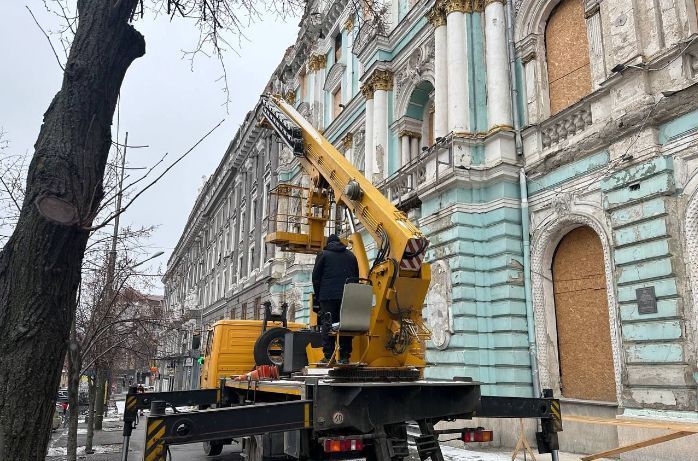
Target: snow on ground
459, 454
63, 451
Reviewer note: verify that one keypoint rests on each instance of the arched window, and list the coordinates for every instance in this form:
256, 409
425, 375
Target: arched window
567, 53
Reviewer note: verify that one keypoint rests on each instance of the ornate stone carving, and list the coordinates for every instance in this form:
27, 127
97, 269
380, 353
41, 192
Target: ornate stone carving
347, 141
436, 16
367, 90
419, 66
438, 301
317, 62
349, 23
382, 80
290, 97
691, 245
562, 203
462, 6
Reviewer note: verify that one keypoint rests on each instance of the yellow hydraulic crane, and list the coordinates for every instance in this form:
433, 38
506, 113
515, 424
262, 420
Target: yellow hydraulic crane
399, 277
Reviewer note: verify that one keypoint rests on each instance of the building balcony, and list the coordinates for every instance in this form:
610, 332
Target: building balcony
570, 129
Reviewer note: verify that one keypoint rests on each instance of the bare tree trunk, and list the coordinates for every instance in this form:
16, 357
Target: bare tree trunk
90, 420
40, 263
100, 376
74, 365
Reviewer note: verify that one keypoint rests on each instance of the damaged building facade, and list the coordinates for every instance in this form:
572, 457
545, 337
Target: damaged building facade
549, 151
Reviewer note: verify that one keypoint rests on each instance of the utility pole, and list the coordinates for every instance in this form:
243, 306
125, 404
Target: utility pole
109, 295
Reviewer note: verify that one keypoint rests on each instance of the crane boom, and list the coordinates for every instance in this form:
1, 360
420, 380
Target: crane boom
399, 276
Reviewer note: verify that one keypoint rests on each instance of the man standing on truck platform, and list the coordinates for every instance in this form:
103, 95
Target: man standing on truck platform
333, 266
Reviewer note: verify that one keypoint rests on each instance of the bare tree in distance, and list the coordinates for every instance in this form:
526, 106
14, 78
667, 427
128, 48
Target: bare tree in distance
40, 263
108, 322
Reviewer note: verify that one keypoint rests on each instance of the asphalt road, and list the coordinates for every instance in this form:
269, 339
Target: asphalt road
192, 452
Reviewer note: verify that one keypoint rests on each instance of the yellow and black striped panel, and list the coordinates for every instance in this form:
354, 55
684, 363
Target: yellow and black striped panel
556, 415
131, 403
154, 445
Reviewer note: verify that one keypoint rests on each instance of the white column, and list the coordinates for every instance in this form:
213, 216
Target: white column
458, 111
348, 60
404, 149
369, 148
414, 147
382, 82
437, 18
496, 55
380, 133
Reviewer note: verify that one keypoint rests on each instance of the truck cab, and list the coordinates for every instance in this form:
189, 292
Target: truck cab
230, 348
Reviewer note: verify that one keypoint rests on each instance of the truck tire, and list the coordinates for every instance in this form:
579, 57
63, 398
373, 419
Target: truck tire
212, 448
269, 347
253, 448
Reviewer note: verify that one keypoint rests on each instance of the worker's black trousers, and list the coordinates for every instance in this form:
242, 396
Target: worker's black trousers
329, 314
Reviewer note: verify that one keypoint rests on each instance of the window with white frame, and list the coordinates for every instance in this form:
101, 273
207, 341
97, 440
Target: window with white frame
242, 225
265, 199
250, 260
253, 212
240, 275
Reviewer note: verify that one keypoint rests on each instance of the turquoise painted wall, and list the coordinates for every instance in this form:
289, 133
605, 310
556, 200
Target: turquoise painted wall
489, 312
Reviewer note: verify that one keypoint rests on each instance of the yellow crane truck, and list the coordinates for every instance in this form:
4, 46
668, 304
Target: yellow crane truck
290, 407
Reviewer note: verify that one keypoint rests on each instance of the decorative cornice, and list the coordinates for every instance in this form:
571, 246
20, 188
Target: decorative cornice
347, 141
317, 62
488, 2
479, 5
290, 97
437, 16
367, 90
460, 6
382, 80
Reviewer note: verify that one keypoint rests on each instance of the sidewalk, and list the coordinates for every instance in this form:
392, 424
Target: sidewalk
106, 443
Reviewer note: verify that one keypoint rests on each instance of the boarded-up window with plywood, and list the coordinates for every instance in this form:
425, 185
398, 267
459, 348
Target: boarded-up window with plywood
581, 310
567, 53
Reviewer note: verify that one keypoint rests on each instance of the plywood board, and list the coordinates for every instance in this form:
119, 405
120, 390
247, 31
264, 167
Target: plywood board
581, 307
567, 53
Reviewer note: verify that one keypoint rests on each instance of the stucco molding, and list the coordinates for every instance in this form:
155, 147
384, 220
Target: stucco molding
418, 68
334, 76
566, 214
690, 228
531, 17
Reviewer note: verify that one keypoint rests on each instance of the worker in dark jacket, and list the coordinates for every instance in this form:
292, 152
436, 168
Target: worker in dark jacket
333, 266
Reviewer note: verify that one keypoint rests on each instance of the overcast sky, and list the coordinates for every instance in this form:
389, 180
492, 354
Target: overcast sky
164, 104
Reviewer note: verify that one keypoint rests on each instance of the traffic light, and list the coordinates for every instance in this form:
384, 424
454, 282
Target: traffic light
200, 360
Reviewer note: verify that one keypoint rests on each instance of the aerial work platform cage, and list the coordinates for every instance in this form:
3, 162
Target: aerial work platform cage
300, 218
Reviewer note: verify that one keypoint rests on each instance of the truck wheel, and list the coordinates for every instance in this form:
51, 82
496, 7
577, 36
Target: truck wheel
269, 347
253, 448
212, 448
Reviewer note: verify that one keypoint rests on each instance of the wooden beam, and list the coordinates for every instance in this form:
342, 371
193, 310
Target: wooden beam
636, 445
634, 422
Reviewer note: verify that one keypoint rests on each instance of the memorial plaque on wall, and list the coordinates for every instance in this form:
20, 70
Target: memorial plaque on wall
646, 300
